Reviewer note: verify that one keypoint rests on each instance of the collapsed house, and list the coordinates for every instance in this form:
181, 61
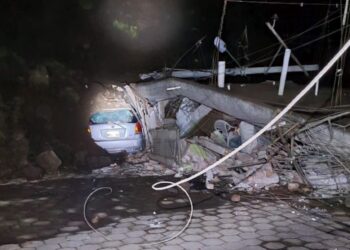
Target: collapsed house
190, 126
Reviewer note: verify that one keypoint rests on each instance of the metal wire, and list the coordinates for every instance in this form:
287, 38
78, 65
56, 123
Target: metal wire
301, 4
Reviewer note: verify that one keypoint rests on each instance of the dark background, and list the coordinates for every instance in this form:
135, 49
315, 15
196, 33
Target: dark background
50, 51
83, 34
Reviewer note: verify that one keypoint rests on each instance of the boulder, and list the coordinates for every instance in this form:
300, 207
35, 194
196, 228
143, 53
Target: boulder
49, 161
31, 172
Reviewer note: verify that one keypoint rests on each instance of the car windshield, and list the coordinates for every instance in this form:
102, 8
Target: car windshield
121, 115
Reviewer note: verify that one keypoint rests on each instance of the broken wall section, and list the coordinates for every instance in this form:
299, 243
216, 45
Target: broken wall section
273, 159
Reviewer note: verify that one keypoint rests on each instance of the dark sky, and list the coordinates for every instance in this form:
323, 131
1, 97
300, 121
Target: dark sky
110, 37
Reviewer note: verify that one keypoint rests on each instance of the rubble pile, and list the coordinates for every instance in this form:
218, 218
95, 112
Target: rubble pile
324, 171
278, 158
134, 165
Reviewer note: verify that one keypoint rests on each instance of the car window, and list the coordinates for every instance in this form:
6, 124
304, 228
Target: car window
121, 115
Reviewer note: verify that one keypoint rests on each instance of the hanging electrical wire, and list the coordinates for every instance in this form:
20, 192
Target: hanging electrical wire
320, 23
194, 47
301, 4
297, 47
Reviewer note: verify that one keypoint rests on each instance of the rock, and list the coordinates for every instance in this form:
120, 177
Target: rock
149, 168
292, 186
235, 198
32, 173
306, 189
262, 155
197, 157
158, 168
293, 176
97, 217
106, 170
169, 172
247, 131
244, 157
209, 186
260, 177
49, 161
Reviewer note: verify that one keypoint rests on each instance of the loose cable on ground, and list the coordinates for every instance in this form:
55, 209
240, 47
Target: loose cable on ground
150, 243
301, 4
85, 205
175, 235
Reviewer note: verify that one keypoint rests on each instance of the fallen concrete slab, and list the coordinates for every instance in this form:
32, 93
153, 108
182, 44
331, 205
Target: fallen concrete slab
243, 109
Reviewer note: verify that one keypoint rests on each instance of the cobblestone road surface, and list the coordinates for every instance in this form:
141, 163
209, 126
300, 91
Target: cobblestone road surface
47, 216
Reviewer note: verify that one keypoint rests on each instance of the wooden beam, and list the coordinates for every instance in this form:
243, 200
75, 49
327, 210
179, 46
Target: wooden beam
286, 47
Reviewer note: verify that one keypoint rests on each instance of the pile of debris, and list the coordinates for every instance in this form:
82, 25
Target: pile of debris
134, 165
189, 127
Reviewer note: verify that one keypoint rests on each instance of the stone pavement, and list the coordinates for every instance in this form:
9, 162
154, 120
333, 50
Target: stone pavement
250, 224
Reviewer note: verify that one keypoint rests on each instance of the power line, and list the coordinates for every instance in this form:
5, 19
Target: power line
301, 4
298, 47
316, 25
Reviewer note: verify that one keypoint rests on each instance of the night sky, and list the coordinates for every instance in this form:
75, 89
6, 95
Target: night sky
110, 38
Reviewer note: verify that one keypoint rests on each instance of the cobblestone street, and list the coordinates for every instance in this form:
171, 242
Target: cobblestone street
48, 215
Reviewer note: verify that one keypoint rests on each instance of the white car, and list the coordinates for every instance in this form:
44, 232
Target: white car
117, 130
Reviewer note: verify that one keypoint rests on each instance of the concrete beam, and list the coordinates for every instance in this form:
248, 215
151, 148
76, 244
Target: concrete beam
243, 109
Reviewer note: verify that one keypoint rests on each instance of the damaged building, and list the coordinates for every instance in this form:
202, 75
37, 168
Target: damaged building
187, 131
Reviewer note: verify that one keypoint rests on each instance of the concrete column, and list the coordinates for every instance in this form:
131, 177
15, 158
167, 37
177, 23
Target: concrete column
284, 72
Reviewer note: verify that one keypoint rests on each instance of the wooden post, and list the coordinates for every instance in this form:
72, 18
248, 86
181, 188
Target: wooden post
273, 59
286, 47
284, 72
